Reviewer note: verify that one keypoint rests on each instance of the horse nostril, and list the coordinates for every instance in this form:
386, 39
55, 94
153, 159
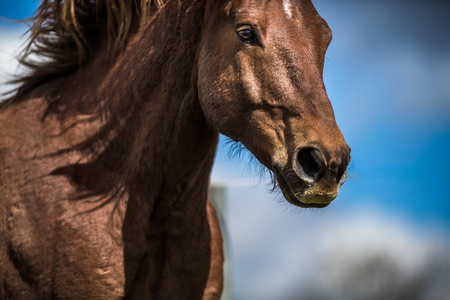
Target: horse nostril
311, 162
343, 167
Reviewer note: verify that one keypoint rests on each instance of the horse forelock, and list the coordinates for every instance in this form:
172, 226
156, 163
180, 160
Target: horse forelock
58, 40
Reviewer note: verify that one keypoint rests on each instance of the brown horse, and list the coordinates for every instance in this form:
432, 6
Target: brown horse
107, 145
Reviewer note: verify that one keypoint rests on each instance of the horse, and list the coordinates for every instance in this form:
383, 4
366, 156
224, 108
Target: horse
107, 144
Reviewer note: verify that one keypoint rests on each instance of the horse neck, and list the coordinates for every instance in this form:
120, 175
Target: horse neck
153, 128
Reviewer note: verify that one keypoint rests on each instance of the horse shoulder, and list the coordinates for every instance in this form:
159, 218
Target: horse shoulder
20, 259
49, 244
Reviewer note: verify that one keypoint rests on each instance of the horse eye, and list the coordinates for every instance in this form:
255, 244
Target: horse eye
246, 35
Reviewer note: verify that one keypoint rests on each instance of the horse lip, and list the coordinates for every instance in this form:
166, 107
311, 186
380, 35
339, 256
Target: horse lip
291, 196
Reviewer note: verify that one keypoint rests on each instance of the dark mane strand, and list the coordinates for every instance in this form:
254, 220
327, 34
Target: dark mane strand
62, 33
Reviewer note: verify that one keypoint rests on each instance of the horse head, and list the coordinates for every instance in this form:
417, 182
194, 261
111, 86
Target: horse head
260, 67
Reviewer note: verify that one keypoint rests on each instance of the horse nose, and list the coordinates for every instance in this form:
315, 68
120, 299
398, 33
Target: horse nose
338, 167
311, 163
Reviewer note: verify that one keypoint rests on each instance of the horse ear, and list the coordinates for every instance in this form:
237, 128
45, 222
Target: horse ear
226, 10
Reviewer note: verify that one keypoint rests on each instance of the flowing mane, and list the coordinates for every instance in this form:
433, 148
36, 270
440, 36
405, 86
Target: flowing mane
63, 32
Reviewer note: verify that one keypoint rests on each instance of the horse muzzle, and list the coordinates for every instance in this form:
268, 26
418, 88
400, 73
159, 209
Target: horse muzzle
312, 178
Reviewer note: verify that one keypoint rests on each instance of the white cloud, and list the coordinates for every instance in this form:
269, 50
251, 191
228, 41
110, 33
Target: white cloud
370, 254
280, 255
10, 43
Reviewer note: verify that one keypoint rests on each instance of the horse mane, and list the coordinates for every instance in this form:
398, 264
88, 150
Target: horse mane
62, 34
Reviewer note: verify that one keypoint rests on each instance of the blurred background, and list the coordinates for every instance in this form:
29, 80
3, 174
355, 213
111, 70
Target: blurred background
387, 235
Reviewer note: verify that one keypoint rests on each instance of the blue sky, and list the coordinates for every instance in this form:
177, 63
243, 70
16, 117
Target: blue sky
18, 9
387, 74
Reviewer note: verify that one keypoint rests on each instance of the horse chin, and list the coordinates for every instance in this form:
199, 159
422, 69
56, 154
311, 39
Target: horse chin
303, 193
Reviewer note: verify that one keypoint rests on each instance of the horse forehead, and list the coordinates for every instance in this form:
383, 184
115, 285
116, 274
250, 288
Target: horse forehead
297, 9
259, 3
294, 10
287, 7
